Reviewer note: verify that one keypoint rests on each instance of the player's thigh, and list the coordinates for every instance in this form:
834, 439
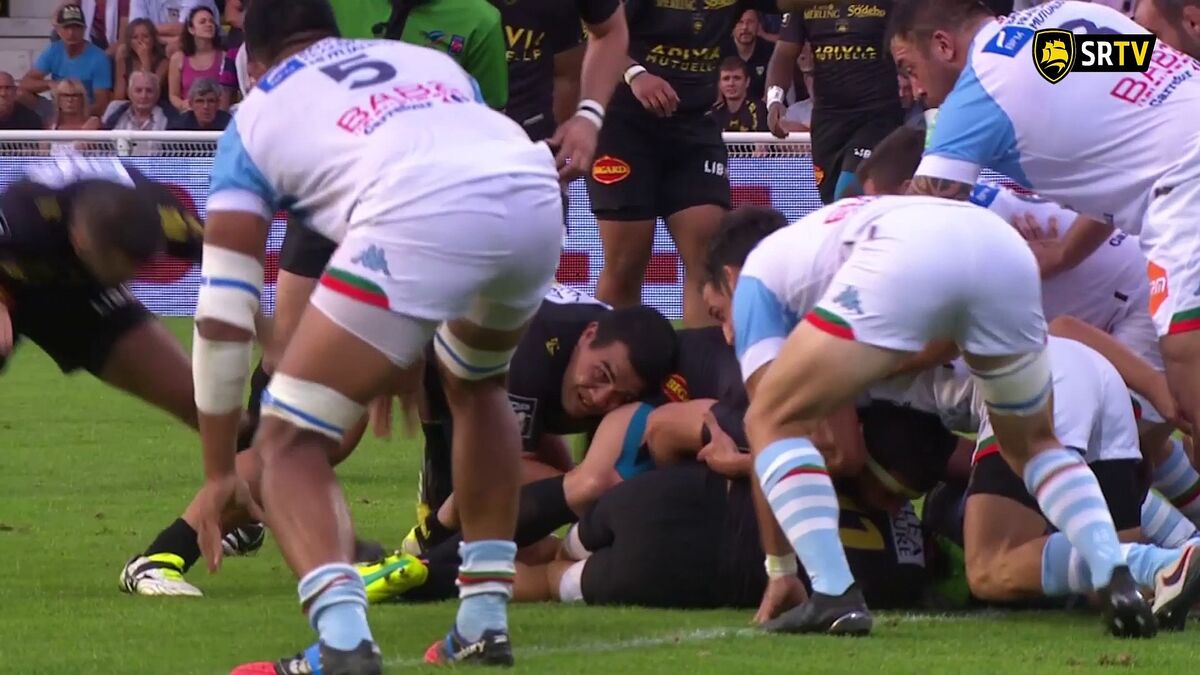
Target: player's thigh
999, 518
695, 169
865, 137
148, 362
830, 134
815, 373
625, 180
1171, 242
691, 229
627, 245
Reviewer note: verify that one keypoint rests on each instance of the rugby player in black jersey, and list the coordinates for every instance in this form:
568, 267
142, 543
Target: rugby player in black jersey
72, 233
659, 154
856, 95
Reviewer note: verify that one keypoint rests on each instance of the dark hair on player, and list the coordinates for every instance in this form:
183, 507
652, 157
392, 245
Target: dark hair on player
740, 231
1172, 10
735, 63
274, 26
119, 217
916, 20
911, 446
647, 334
893, 161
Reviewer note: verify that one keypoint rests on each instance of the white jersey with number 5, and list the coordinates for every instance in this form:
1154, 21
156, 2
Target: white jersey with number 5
353, 133
1095, 142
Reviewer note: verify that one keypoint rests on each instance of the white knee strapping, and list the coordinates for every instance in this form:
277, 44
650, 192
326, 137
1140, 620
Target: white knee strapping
230, 286
310, 406
1021, 388
466, 362
572, 547
570, 587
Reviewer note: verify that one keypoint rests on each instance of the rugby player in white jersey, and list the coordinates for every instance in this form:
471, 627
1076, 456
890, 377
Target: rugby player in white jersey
844, 298
449, 223
1122, 148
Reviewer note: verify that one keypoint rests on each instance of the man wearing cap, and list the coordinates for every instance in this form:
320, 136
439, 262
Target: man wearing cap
72, 56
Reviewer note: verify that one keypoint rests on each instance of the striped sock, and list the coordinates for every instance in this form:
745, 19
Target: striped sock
1145, 562
1163, 524
1063, 570
1179, 482
335, 600
796, 483
1067, 492
485, 581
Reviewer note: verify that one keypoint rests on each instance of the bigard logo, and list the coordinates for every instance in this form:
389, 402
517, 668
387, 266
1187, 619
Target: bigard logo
1058, 52
607, 170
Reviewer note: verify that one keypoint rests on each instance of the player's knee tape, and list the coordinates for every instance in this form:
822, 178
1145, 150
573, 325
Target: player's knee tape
1021, 388
570, 587
311, 406
573, 547
466, 362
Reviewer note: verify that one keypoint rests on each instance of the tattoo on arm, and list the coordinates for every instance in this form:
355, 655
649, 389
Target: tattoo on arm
940, 187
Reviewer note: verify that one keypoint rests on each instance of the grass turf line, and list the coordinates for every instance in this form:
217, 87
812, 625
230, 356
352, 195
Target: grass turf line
88, 476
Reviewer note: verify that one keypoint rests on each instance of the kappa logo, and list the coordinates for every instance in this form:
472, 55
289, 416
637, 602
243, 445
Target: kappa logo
849, 300
373, 259
607, 170
1158, 286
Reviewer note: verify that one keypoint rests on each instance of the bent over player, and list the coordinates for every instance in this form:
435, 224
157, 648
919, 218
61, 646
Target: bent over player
449, 227
869, 283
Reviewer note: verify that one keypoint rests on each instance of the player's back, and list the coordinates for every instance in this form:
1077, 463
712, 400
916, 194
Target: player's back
1095, 142
348, 132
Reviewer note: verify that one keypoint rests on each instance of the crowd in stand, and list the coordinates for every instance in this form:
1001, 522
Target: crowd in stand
145, 65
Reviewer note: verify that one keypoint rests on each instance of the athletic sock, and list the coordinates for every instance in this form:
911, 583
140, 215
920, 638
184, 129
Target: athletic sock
1069, 495
1145, 562
1179, 482
846, 186
485, 581
178, 539
1063, 570
796, 483
542, 509
1163, 524
335, 600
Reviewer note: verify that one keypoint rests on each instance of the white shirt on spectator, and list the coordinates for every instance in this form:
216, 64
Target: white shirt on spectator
126, 122
111, 18
169, 11
800, 112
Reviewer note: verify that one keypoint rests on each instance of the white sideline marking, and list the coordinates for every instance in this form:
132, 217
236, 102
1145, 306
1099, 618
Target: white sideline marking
698, 635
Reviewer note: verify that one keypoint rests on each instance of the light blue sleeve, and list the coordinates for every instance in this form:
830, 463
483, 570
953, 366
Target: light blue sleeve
760, 324
972, 127
238, 184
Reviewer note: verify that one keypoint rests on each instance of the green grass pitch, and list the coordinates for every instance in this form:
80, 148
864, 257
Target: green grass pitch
88, 476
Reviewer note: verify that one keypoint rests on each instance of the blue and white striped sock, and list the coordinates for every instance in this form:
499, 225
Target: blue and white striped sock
1069, 496
1179, 481
794, 479
1163, 524
335, 600
1064, 571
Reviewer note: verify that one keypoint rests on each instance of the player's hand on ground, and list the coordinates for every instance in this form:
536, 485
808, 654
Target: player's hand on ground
218, 497
656, 94
574, 144
782, 594
721, 454
775, 113
6, 331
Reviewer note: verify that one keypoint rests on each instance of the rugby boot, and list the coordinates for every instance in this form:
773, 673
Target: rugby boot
321, 659
491, 649
1126, 612
1177, 588
844, 614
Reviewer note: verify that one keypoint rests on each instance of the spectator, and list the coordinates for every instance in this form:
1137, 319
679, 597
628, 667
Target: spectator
199, 57
169, 15
140, 52
229, 78
13, 115
71, 57
798, 116
204, 109
105, 21
735, 112
752, 49
142, 111
70, 108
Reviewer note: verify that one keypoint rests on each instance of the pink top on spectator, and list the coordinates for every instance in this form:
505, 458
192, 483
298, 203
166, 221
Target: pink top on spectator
189, 74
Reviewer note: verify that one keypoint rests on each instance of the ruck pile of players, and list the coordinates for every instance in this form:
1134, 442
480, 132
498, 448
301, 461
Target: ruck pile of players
999, 354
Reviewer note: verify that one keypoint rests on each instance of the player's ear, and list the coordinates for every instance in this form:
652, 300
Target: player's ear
942, 46
731, 275
1191, 21
589, 333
